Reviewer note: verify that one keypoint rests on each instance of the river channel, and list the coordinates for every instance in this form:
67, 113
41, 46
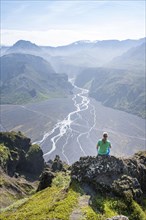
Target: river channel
77, 134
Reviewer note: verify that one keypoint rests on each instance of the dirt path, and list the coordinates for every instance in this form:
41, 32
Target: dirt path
77, 212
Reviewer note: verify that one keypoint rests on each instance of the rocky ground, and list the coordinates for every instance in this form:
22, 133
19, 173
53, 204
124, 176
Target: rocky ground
122, 177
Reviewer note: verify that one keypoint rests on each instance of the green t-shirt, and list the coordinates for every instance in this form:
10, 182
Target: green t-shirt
103, 147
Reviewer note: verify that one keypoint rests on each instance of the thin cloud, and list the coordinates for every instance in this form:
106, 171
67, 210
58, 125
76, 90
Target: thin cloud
57, 22
57, 37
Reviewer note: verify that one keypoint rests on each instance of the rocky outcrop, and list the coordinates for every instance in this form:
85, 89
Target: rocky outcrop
45, 180
18, 155
108, 174
52, 167
56, 165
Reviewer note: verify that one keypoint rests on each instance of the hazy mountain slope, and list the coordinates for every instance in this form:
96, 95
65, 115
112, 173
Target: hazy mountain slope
79, 54
26, 78
89, 54
24, 46
133, 59
122, 88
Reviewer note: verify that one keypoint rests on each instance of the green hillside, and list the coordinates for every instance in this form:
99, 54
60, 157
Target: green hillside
27, 78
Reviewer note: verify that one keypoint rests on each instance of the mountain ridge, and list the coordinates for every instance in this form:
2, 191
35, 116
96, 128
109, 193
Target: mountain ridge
26, 78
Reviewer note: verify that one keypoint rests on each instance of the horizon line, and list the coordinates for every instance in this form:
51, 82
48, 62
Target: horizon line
83, 40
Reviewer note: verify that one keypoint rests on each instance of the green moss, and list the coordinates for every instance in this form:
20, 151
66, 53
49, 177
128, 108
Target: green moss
109, 209
48, 204
63, 208
15, 205
33, 149
90, 214
53, 202
4, 155
137, 212
61, 180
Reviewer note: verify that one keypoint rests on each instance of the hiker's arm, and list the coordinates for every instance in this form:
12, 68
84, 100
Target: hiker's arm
110, 146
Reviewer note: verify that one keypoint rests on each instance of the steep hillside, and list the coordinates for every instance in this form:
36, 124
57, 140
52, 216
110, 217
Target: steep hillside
121, 84
18, 155
27, 78
92, 188
21, 163
134, 59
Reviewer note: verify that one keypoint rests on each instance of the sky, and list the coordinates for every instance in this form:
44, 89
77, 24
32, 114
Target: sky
54, 23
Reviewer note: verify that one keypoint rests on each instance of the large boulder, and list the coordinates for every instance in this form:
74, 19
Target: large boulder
34, 160
45, 180
57, 164
128, 187
136, 166
110, 174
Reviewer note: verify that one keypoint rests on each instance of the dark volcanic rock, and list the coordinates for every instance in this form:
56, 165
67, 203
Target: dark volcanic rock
127, 186
57, 164
18, 155
108, 174
14, 140
34, 160
45, 180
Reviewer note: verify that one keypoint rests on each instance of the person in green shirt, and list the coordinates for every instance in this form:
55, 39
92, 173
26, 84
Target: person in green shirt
104, 145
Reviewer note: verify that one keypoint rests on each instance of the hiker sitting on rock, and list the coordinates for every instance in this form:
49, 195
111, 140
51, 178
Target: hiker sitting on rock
104, 145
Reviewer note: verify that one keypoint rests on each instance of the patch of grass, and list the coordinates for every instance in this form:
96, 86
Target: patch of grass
137, 212
109, 207
33, 149
53, 202
7, 198
15, 205
50, 203
90, 214
63, 208
4, 155
61, 180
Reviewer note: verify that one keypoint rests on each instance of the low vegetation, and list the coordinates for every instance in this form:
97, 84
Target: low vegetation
59, 201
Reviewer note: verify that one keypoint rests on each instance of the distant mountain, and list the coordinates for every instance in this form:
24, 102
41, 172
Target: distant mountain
121, 83
27, 78
88, 54
24, 46
84, 44
120, 89
79, 54
134, 58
